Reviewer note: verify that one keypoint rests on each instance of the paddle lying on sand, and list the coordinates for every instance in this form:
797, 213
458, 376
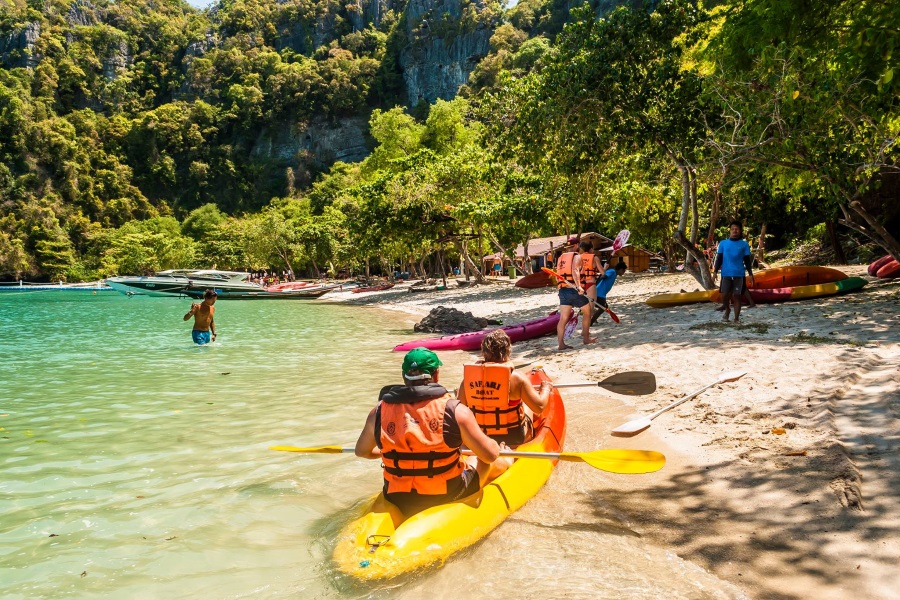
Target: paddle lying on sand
629, 383
627, 462
562, 280
632, 427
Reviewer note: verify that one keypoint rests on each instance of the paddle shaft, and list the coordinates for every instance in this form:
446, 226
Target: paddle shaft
731, 377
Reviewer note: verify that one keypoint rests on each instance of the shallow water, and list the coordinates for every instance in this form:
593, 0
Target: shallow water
135, 464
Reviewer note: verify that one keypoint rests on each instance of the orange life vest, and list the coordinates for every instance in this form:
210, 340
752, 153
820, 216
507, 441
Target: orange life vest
415, 455
487, 395
564, 267
588, 270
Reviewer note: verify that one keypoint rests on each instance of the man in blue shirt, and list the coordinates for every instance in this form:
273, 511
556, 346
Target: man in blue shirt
734, 256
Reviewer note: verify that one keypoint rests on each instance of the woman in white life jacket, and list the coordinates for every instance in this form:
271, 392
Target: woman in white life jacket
503, 401
416, 430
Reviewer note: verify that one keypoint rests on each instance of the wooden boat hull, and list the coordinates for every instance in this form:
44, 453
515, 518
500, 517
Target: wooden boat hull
381, 544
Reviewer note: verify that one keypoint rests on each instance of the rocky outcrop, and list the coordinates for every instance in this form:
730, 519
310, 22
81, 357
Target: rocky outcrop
18, 48
450, 320
83, 13
319, 143
118, 59
441, 53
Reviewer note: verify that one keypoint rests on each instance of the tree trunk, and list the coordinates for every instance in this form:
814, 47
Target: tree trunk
761, 247
881, 235
440, 258
714, 215
689, 201
469, 263
527, 263
368, 270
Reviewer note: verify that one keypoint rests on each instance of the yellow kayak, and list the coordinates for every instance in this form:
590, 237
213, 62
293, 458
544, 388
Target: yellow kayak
381, 544
666, 300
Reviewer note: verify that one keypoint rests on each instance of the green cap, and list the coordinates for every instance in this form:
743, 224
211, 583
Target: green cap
422, 360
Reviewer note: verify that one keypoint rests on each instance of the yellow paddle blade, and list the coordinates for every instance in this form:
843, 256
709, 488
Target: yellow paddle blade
630, 462
317, 450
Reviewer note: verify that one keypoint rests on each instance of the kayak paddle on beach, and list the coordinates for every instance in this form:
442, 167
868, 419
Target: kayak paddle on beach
562, 280
637, 425
629, 383
627, 462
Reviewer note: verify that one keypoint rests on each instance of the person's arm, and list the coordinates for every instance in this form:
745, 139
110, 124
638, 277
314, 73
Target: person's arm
576, 273
212, 321
484, 447
748, 264
536, 400
191, 312
461, 393
718, 264
365, 445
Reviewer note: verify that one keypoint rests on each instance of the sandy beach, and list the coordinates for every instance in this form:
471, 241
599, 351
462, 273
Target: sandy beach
785, 482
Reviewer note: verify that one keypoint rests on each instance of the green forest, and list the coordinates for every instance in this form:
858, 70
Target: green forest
130, 132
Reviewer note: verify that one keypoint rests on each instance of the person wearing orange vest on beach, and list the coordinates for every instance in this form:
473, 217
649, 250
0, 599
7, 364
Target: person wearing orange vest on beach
591, 267
571, 296
416, 430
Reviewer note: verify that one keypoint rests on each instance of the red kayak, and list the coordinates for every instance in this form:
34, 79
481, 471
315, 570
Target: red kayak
534, 281
877, 264
472, 341
889, 270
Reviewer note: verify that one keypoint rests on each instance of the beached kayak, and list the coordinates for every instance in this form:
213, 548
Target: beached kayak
875, 265
802, 292
472, 340
889, 270
381, 544
667, 300
534, 281
785, 277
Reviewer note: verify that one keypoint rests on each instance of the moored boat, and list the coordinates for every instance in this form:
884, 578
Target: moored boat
382, 544
472, 341
373, 288
178, 281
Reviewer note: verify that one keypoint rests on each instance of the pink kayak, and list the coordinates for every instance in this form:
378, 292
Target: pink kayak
472, 341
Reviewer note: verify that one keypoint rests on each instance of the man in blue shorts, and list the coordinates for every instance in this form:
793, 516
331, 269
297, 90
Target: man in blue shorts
733, 258
204, 324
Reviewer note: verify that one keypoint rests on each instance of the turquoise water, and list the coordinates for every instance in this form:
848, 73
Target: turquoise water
135, 464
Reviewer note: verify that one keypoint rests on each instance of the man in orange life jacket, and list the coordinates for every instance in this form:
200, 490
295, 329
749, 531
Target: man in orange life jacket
416, 430
503, 401
571, 296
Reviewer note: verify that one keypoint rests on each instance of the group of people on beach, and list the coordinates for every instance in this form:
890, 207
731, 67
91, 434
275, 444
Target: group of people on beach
583, 282
418, 429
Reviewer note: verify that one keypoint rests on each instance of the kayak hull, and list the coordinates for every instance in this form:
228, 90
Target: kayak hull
889, 270
472, 341
667, 300
536, 280
381, 544
877, 264
785, 277
802, 292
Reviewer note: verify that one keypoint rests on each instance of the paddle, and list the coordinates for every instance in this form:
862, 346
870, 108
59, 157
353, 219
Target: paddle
632, 427
613, 460
562, 280
629, 383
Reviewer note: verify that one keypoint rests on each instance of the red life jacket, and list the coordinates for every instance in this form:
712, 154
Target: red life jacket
414, 452
487, 395
564, 267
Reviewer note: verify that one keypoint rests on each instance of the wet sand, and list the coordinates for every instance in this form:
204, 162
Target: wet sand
784, 483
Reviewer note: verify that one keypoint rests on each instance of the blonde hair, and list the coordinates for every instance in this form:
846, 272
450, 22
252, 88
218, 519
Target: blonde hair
496, 346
